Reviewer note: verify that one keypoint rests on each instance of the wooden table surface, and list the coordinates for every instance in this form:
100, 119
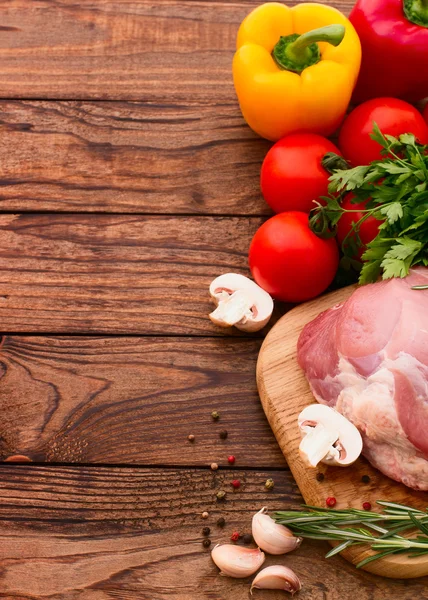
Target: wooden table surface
128, 181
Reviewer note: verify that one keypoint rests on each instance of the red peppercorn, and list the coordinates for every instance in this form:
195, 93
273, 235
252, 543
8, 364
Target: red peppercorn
331, 501
231, 460
367, 506
235, 483
235, 536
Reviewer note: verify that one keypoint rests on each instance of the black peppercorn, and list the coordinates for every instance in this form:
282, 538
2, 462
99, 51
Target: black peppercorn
206, 531
223, 434
221, 522
206, 543
365, 479
247, 538
320, 477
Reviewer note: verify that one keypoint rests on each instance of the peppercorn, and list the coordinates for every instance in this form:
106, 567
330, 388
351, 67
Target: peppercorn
221, 495
231, 460
270, 484
214, 466
206, 531
191, 438
223, 434
221, 522
236, 484
367, 506
206, 543
235, 536
320, 477
247, 538
215, 415
205, 515
365, 479
330, 501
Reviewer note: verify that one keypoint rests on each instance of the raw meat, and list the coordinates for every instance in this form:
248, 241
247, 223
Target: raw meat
368, 357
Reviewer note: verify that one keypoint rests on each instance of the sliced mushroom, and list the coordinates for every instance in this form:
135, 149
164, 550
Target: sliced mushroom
328, 437
240, 302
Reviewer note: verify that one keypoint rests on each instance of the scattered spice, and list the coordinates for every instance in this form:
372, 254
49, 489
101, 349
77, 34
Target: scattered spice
235, 536
330, 501
206, 543
191, 438
221, 495
223, 434
365, 479
215, 415
214, 466
320, 477
221, 522
206, 531
205, 515
231, 460
236, 484
367, 506
247, 538
270, 484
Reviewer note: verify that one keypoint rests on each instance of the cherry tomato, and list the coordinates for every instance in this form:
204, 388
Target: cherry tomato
289, 261
393, 117
292, 176
368, 230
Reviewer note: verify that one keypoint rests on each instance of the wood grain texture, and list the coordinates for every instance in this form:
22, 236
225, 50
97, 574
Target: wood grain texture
128, 158
129, 50
132, 400
116, 274
99, 534
285, 392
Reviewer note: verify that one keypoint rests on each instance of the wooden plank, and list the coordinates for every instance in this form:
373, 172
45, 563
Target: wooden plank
98, 534
129, 157
130, 50
133, 400
116, 274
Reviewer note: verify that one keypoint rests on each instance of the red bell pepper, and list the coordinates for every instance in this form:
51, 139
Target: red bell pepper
394, 39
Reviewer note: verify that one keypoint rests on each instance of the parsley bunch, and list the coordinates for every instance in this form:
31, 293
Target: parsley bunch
395, 190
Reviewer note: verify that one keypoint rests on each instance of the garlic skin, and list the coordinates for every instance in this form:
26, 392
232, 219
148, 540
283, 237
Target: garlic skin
277, 578
271, 537
236, 561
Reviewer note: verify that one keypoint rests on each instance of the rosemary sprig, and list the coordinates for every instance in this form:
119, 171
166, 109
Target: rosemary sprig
354, 527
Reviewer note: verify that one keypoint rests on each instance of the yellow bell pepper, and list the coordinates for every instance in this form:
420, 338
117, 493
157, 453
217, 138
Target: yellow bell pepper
295, 68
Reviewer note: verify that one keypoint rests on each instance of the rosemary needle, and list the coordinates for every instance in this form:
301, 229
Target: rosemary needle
353, 527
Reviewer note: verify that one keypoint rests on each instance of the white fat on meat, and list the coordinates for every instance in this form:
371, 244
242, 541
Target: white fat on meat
368, 357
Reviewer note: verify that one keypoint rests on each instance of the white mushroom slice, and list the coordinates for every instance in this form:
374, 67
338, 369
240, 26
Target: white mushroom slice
240, 302
328, 437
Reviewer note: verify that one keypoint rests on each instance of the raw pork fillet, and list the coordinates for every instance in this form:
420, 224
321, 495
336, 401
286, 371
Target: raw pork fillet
368, 357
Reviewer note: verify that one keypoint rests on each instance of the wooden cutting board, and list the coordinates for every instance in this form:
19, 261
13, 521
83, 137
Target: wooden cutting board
284, 393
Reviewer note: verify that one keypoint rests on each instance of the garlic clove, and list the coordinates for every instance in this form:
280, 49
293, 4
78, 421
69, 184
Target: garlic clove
236, 561
272, 537
277, 578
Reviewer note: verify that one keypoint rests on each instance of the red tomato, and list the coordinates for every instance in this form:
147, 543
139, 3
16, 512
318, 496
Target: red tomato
289, 261
393, 116
292, 176
426, 113
368, 230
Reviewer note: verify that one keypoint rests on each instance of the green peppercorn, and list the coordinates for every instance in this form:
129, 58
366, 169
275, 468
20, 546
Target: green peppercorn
215, 415
221, 495
270, 484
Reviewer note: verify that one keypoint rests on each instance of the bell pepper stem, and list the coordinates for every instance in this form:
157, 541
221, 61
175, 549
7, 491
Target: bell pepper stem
297, 52
416, 11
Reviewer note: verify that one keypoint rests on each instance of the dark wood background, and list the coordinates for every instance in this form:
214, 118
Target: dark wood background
128, 181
